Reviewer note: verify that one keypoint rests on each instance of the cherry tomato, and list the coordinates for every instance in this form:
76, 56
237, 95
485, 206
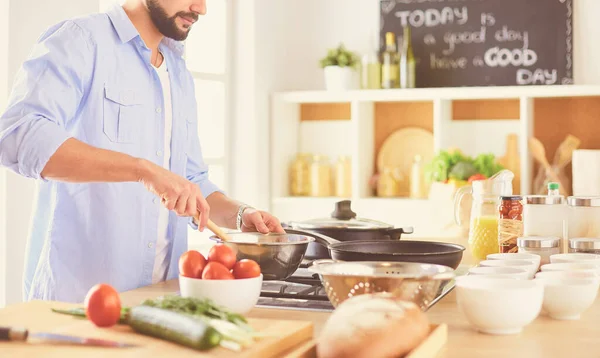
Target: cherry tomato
246, 269
191, 264
103, 305
216, 271
222, 254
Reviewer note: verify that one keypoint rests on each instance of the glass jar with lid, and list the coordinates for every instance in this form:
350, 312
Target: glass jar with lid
586, 245
545, 215
540, 245
320, 176
300, 175
583, 216
510, 223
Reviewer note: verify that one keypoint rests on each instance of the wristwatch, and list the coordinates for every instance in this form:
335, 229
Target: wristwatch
240, 212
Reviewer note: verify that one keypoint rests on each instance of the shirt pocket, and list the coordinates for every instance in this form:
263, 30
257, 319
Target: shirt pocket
123, 114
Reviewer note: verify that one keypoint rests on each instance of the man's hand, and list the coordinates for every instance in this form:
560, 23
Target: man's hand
260, 221
176, 193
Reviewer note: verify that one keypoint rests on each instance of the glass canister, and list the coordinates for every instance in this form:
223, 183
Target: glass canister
343, 177
583, 216
586, 245
540, 245
483, 226
320, 176
545, 215
388, 183
510, 223
300, 175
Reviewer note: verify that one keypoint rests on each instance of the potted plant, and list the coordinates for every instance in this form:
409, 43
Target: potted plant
339, 67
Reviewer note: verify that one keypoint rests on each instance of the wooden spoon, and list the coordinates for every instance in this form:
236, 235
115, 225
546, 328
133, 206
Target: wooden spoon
214, 228
539, 153
218, 231
564, 153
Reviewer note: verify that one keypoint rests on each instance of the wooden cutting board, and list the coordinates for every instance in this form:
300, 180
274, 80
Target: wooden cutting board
429, 348
38, 317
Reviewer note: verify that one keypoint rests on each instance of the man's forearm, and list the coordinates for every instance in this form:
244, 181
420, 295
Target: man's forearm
77, 162
223, 210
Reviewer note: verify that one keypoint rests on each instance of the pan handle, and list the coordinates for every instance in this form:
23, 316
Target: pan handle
321, 239
396, 233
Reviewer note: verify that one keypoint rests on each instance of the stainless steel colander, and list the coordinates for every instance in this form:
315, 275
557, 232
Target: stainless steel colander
415, 282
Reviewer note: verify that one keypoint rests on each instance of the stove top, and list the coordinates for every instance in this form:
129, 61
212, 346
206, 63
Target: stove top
301, 291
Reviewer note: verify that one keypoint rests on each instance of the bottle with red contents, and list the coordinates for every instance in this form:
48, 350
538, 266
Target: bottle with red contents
510, 222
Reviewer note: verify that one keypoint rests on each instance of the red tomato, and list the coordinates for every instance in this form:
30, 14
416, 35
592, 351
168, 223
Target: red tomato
476, 177
103, 305
216, 271
191, 264
222, 254
246, 269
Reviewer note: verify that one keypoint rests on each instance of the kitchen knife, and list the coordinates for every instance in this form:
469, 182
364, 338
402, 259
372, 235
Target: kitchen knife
22, 334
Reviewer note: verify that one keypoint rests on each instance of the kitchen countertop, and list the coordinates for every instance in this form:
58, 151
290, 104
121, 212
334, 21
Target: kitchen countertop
543, 338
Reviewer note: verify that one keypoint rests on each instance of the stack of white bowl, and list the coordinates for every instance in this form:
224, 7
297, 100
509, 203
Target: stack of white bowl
506, 292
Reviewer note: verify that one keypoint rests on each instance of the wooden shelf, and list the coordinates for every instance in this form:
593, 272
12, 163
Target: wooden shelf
430, 94
474, 119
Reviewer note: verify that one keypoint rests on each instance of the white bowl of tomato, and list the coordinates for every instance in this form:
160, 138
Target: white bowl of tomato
234, 285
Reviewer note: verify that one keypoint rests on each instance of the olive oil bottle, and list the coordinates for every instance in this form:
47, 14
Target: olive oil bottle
390, 63
407, 61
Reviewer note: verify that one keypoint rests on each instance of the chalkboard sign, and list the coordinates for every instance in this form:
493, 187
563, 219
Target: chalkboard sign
485, 42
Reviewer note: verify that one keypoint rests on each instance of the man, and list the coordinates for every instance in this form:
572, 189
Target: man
103, 114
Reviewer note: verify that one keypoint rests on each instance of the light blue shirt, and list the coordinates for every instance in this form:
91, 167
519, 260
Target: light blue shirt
90, 78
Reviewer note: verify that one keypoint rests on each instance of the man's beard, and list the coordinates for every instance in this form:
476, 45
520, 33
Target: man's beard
167, 25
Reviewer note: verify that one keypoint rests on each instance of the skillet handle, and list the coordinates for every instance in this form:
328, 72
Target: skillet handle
321, 239
396, 233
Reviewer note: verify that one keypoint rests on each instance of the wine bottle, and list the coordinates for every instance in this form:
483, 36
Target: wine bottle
407, 61
390, 63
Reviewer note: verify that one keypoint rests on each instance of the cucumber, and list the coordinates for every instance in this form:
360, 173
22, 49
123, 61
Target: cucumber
174, 327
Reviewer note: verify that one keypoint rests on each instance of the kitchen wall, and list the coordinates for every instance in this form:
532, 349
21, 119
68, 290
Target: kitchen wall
27, 19
278, 44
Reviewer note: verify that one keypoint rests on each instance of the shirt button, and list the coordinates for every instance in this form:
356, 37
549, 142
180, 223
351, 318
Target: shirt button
158, 110
155, 200
159, 153
150, 245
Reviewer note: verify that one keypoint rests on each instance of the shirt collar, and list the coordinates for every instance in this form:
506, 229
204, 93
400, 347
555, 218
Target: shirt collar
176, 46
122, 23
127, 31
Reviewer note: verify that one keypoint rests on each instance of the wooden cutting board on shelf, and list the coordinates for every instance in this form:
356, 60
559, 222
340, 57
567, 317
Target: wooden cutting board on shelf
37, 316
399, 149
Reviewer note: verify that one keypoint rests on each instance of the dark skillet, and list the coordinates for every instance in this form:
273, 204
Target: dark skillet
431, 252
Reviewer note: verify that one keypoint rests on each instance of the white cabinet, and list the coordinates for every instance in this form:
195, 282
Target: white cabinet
475, 120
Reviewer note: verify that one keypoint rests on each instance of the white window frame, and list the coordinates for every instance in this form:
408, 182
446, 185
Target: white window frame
227, 79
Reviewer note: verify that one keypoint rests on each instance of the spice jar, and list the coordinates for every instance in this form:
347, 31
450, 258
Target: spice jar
300, 175
388, 184
545, 215
583, 216
510, 223
540, 245
586, 245
320, 176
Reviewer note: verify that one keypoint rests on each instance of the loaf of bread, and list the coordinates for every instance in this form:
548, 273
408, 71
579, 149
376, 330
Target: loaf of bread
372, 326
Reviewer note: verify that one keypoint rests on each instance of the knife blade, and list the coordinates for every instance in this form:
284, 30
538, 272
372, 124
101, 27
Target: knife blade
22, 334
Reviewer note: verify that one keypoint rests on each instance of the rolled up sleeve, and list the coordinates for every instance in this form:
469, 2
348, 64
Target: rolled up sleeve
46, 95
